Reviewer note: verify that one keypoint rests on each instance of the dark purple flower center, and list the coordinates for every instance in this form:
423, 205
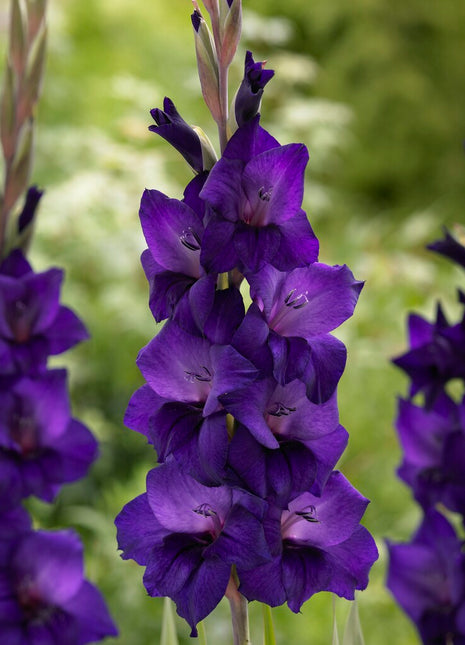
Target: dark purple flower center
190, 239
204, 375
33, 605
23, 431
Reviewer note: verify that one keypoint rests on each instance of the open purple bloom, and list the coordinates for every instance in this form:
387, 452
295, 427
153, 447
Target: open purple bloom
45, 598
318, 545
33, 324
284, 444
38, 437
436, 355
250, 92
181, 413
173, 230
188, 536
427, 579
433, 442
301, 307
450, 248
254, 194
172, 127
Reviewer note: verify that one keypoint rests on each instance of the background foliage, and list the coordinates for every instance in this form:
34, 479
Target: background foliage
372, 87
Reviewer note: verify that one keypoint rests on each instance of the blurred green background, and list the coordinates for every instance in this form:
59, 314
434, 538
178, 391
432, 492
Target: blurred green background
375, 89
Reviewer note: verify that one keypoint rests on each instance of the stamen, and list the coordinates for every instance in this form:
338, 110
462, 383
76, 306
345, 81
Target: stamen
280, 410
308, 514
205, 510
298, 302
265, 195
204, 377
190, 239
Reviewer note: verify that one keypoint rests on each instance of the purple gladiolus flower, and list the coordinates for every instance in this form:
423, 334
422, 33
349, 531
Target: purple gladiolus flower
172, 127
318, 545
301, 307
33, 324
427, 579
39, 439
433, 442
45, 598
284, 444
250, 92
437, 355
254, 193
180, 410
174, 230
188, 536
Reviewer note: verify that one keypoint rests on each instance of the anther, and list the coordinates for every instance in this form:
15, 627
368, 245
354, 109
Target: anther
203, 377
281, 410
308, 514
190, 239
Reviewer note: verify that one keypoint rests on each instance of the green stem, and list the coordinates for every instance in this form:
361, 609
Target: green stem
239, 613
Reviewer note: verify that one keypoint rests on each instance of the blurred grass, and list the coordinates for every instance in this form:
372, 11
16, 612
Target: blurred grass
372, 87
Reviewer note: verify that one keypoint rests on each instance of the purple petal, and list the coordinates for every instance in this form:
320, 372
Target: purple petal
171, 361
279, 173
89, 610
137, 530
338, 512
173, 232
249, 141
173, 497
66, 331
53, 560
218, 252
298, 246
255, 246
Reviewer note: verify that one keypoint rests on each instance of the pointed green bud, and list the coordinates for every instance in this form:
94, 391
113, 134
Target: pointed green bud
34, 74
36, 16
18, 36
209, 157
207, 64
230, 29
7, 114
21, 166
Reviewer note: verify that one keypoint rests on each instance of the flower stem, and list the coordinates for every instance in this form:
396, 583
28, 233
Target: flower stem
239, 612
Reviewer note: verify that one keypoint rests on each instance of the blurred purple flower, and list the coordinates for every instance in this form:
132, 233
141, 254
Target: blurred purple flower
45, 598
172, 127
33, 324
318, 545
436, 355
250, 92
433, 443
188, 536
427, 579
254, 196
38, 437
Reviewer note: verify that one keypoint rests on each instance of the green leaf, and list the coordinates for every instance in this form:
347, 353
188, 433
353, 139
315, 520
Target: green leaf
168, 627
353, 630
335, 632
269, 635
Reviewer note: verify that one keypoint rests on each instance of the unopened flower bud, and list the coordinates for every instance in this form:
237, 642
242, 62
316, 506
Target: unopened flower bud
172, 127
230, 29
207, 63
249, 95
